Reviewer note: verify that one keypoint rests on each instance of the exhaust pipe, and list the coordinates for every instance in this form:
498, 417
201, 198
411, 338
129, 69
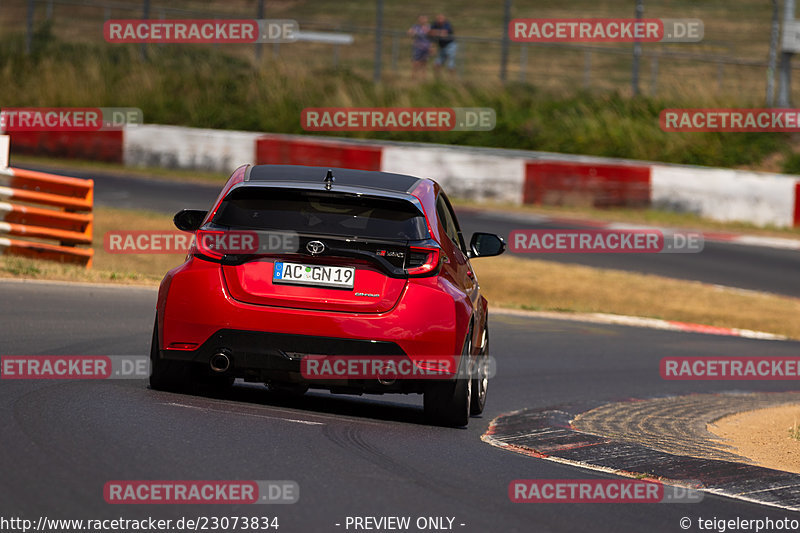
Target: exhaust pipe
220, 362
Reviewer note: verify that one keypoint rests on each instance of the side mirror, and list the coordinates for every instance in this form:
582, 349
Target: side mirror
189, 219
486, 245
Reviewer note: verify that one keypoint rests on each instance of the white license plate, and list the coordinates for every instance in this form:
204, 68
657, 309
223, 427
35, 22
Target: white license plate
318, 275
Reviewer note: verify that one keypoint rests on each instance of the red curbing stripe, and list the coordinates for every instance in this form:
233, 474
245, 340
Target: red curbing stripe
279, 150
702, 328
94, 145
642, 322
797, 204
599, 185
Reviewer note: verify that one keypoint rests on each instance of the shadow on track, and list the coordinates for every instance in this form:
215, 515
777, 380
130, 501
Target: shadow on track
313, 402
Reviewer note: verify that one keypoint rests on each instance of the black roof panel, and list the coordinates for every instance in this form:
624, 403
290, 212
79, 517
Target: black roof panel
344, 176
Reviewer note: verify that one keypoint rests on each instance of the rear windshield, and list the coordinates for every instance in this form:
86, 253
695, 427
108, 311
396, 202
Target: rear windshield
327, 213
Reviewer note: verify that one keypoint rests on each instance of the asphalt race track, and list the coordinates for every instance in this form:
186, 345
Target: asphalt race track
351, 456
734, 265
62, 440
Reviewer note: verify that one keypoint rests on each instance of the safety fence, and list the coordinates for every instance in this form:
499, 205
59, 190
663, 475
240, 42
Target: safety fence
44, 216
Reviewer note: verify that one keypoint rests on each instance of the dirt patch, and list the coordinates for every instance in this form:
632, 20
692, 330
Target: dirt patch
763, 436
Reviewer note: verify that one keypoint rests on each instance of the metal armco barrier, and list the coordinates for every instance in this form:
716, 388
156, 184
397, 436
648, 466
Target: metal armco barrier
67, 219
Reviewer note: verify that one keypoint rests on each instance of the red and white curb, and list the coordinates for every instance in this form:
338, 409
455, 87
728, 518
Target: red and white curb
755, 240
515, 176
643, 322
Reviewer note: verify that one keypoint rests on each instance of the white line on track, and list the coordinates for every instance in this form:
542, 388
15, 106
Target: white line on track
224, 411
642, 322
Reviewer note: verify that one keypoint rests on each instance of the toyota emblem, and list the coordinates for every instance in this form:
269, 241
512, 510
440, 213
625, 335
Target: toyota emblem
315, 247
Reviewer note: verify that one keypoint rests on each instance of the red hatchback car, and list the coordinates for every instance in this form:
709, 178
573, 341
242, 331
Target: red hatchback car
347, 263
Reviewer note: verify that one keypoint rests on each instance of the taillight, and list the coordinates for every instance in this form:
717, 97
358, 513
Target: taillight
215, 244
422, 261
205, 243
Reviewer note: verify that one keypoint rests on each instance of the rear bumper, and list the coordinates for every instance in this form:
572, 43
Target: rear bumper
198, 317
263, 357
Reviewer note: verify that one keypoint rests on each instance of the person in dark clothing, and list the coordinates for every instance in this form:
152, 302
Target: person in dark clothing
442, 31
421, 49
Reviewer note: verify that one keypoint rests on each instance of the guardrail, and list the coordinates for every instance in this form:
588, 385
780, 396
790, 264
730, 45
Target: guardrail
67, 219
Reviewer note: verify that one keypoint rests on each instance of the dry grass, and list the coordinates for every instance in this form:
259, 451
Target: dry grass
108, 268
57, 165
732, 28
150, 265
513, 282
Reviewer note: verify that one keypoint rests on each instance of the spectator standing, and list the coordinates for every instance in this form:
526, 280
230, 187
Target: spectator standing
421, 48
442, 31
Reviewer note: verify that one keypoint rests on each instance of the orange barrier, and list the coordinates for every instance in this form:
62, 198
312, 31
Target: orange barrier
68, 220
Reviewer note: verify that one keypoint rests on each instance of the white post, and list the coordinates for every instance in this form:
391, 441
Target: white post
5, 145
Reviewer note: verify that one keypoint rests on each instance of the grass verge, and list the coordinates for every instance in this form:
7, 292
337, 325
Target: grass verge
507, 281
208, 88
78, 166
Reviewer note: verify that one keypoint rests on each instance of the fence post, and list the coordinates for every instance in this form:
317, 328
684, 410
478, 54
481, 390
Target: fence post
637, 51
587, 69
394, 51
145, 16
376, 74
29, 32
654, 73
773, 54
504, 46
259, 46
462, 55
523, 61
784, 89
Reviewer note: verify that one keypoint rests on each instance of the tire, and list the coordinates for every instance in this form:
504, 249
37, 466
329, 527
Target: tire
480, 383
447, 403
165, 375
287, 390
216, 383
177, 376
